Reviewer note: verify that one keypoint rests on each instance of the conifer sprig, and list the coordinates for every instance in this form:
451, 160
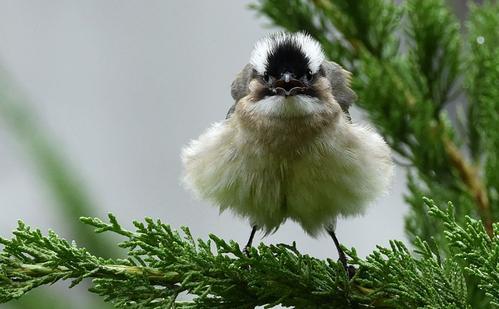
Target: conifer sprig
163, 264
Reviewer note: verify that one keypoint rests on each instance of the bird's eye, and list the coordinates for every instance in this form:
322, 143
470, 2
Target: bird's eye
266, 77
309, 75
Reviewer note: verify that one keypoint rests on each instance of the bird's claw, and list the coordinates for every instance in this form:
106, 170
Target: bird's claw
351, 271
246, 251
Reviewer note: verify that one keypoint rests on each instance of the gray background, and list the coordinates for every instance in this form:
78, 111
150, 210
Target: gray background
122, 86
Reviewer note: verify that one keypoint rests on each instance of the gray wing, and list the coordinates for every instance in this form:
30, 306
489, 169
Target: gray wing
340, 84
240, 86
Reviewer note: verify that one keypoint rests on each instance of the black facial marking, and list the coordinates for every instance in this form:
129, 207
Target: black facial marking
287, 56
263, 92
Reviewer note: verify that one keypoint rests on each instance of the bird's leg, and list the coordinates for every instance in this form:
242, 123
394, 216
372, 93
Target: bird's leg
250, 240
342, 257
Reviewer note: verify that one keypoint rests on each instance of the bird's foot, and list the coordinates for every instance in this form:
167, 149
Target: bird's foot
351, 271
246, 251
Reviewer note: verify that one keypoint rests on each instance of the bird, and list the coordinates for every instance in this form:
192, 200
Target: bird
287, 148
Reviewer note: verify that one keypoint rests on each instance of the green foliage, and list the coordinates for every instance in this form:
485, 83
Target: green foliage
482, 76
435, 45
163, 264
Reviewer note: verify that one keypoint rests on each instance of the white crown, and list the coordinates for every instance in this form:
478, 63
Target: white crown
264, 47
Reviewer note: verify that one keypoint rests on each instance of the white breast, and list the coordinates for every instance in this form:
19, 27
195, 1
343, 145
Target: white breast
339, 173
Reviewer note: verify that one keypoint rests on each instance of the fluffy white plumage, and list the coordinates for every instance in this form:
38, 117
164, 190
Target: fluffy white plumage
338, 174
279, 106
310, 47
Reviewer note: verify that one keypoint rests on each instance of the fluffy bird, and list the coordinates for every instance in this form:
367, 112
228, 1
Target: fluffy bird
287, 148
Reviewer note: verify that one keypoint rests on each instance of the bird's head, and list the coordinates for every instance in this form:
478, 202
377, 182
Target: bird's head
287, 64
288, 77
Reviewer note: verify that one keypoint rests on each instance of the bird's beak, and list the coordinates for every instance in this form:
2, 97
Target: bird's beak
287, 85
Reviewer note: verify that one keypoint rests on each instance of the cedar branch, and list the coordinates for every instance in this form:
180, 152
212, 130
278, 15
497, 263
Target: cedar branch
469, 175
